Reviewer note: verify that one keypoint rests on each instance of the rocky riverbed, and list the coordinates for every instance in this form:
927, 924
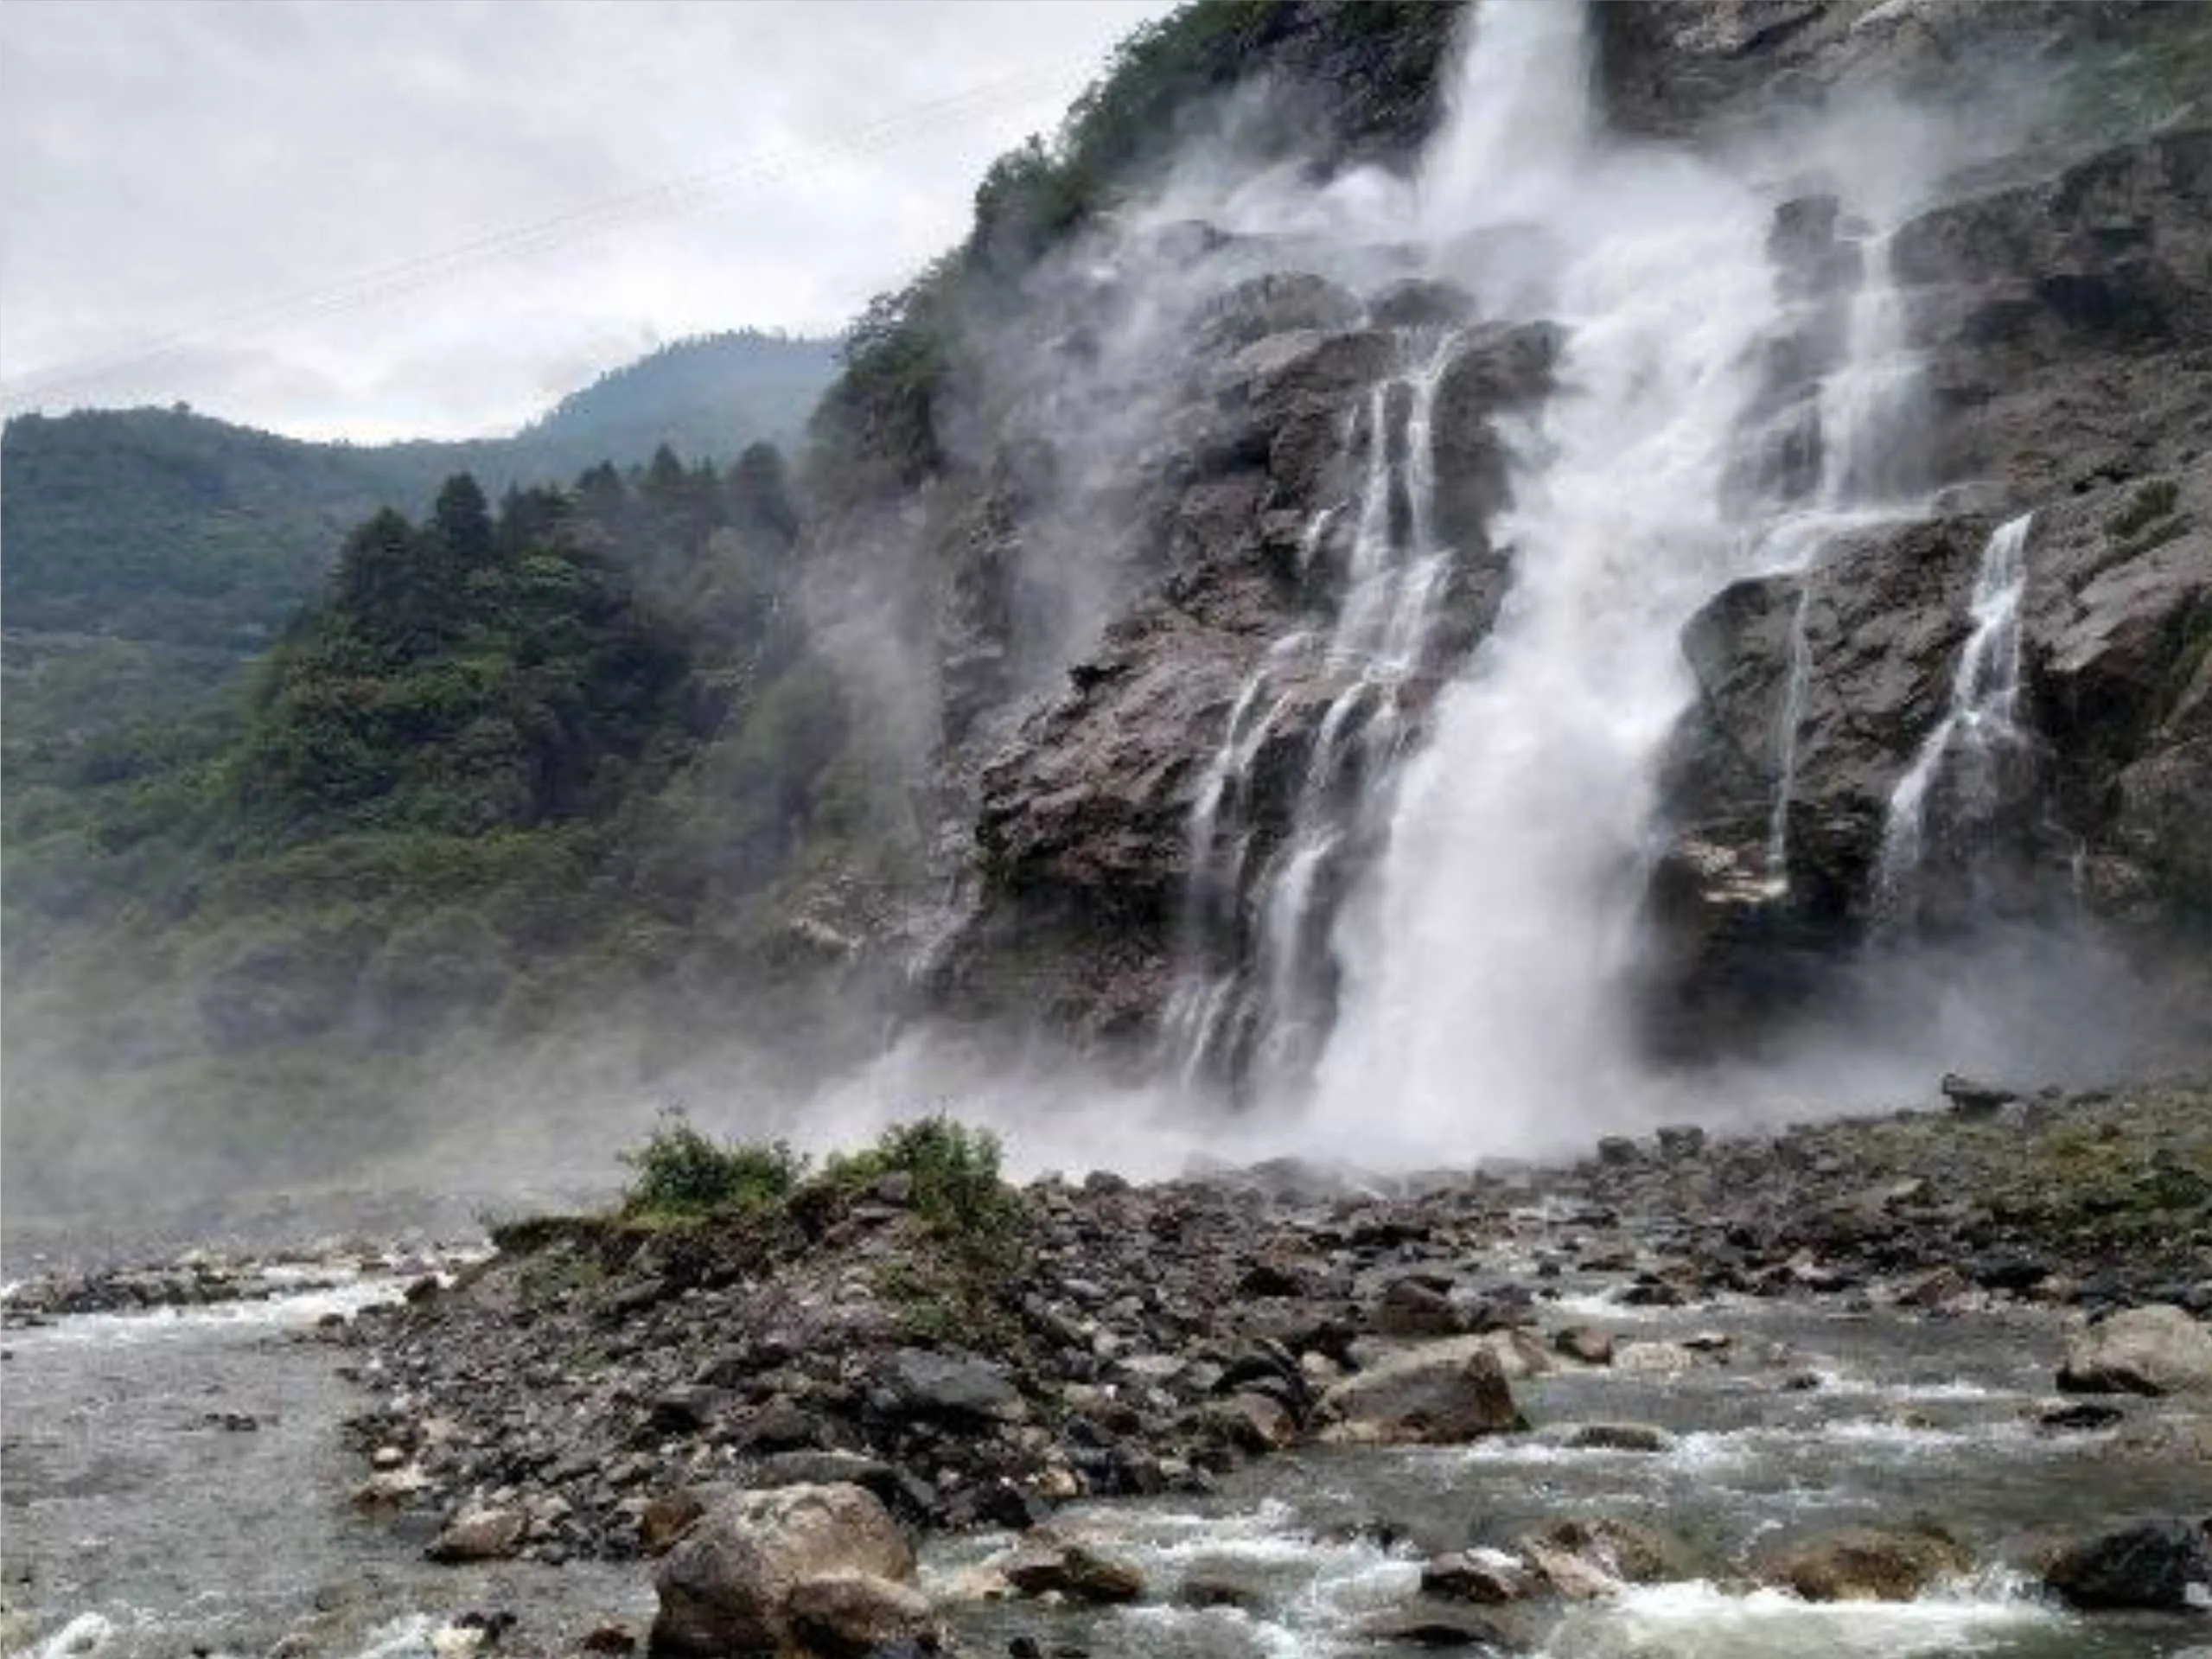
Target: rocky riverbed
2042, 1265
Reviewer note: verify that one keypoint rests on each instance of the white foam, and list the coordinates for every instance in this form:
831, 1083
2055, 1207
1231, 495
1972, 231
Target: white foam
87, 1633
1698, 1620
268, 1313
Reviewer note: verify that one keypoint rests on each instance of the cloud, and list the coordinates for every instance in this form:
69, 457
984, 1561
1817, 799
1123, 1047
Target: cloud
528, 190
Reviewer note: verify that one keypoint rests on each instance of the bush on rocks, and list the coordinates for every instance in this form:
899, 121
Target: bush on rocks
680, 1174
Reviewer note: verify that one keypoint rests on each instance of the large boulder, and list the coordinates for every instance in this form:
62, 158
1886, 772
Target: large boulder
727, 1586
1868, 1564
854, 1615
1043, 1565
956, 1388
1583, 1560
1439, 1393
2161, 1564
2147, 1351
480, 1533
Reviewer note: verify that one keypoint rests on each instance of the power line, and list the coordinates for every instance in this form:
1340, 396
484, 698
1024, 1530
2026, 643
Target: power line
669, 198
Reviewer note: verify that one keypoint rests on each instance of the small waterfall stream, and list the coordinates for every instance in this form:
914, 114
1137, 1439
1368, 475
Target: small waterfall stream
1964, 755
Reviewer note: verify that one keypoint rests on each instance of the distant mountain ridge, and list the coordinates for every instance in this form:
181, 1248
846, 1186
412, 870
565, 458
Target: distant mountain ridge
165, 526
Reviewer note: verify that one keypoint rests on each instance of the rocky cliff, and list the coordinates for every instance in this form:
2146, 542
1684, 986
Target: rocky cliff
1128, 571
2065, 323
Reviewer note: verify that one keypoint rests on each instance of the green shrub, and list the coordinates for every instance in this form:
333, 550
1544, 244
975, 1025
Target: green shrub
954, 1169
681, 1174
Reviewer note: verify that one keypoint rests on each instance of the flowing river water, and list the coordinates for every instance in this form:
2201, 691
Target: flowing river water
137, 1523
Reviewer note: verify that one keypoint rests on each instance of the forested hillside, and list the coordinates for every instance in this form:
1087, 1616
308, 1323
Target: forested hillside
510, 767
165, 526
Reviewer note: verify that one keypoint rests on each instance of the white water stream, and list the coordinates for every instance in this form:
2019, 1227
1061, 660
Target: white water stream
1965, 751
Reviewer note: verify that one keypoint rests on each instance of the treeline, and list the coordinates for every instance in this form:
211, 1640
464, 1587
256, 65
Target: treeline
164, 525
512, 765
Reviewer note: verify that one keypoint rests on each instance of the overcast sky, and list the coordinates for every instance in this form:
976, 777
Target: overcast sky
340, 217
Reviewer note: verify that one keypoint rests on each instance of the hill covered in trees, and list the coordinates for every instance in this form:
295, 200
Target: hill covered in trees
510, 767
168, 526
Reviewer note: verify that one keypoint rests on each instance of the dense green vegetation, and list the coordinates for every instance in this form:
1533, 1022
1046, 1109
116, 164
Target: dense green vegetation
680, 1175
164, 526
511, 768
946, 1175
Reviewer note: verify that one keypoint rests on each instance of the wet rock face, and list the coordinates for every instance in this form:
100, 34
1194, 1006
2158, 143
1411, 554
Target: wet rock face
1083, 829
2065, 328
1681, 67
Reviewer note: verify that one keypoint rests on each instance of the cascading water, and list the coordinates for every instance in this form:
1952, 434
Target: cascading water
1792, 722
1868, 473
1254, 994
1485, 957
1965, 754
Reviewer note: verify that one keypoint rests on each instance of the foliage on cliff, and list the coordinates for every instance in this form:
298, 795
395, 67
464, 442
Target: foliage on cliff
510, 767
1343, 79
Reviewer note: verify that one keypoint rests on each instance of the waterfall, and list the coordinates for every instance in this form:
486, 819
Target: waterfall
1964, 752
1787, 729
1254, 984
1870, 473
1482, 956
1870, 396
1434, 952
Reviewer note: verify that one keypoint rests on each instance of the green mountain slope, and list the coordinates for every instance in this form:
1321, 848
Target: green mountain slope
164, 525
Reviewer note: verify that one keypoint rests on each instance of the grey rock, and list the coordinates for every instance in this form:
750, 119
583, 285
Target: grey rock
2147, 1351
2164, 1566
951, 1387
1438, 1393
727, 1585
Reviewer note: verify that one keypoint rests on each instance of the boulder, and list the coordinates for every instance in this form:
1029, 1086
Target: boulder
1411, 1307
1584, 1559
951, 1387
853, 1615
2156, 1350
1619, 1436
1585, 1345
1975, 1097
1488, 1577
1043, 1566
2161, 1564
1868, 1564
1439, 1393
480, 1533
727, 1585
